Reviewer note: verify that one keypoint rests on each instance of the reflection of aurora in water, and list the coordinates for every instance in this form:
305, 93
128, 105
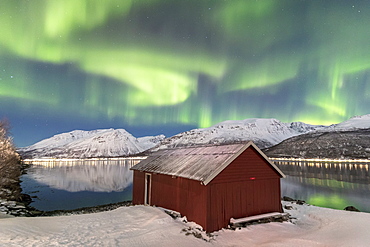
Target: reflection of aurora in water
328, 184
73, 184
340, 171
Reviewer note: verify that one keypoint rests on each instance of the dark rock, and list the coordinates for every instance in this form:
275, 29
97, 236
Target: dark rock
24, 210
26, 199
288, 199
300, 202
173, 214
17, 207
351, 208
288, 207
4, 209
88, 210
35, 213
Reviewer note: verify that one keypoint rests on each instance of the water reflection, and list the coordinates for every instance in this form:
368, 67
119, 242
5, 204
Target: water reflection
340, 171
327, 184
84, 175
71, 184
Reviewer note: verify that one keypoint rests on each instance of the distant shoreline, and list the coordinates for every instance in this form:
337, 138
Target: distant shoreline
321, 160
51, 159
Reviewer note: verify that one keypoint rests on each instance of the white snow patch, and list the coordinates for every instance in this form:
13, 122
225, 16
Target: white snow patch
264, 132
150, 226
356, 122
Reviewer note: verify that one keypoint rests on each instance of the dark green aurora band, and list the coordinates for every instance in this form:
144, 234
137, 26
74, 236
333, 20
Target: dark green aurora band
190, 62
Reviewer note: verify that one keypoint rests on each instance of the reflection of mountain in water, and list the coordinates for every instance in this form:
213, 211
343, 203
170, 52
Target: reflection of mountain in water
96, 175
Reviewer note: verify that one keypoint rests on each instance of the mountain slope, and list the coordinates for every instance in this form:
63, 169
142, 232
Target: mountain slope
354, 123
87, 144
352, 144
347, 140
263, 132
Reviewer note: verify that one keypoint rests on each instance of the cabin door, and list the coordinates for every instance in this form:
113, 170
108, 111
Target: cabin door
148, 188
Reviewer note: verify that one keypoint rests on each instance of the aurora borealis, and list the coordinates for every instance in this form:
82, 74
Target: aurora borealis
165, 66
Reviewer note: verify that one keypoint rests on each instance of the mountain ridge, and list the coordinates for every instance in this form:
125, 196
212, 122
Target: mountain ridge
264, 132
339, 144
346, 140
90, 144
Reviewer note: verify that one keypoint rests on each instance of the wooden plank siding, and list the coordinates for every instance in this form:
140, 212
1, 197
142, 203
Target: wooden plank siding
250, 164
138, 189
241, 199
248, 186
179, 194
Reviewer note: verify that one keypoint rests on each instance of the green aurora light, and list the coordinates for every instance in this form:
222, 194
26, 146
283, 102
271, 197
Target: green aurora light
156, 62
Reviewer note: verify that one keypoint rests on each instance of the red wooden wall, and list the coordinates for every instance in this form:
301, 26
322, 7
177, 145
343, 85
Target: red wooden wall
248, 186
189, 197
138, 188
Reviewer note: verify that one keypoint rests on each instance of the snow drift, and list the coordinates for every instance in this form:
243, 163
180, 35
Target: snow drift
149, 226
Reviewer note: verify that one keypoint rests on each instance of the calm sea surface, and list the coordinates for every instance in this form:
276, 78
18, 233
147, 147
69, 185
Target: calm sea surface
74, 184
327, 184
55, 185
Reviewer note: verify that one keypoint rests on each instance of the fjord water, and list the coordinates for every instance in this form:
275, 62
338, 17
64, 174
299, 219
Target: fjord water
327, 184
72, 184
64, 185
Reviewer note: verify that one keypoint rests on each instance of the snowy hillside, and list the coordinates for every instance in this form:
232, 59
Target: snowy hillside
263, 132
345, 145
85, 144
346, 140
357, 122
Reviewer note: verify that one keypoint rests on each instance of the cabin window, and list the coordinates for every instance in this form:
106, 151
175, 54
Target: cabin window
148, 188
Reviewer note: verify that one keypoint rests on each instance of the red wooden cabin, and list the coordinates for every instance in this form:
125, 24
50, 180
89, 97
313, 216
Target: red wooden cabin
209, 184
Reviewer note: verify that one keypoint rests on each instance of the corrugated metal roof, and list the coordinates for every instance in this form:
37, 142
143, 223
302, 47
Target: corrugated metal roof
198, 163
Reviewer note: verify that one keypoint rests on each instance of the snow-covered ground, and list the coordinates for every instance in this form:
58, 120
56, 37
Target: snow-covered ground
149, 226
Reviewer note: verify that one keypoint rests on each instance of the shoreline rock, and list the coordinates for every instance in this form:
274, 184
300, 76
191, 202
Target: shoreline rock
13, 208
351, 208
20, 209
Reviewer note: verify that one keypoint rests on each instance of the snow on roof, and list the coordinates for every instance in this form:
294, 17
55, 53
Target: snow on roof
201, 163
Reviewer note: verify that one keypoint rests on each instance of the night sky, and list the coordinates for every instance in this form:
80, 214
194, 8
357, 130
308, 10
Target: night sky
167, 66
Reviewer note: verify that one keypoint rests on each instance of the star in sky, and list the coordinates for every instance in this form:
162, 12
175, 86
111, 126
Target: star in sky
157, 66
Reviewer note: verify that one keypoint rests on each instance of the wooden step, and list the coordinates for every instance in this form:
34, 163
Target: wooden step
257, 217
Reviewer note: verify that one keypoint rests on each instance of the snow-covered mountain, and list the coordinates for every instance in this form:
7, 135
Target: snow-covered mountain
118, 142
352, 144
95, 143
354, 123
263, 132
347, 140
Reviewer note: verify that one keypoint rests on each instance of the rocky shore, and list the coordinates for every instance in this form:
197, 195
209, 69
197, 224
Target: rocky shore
19, 209
13, 208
